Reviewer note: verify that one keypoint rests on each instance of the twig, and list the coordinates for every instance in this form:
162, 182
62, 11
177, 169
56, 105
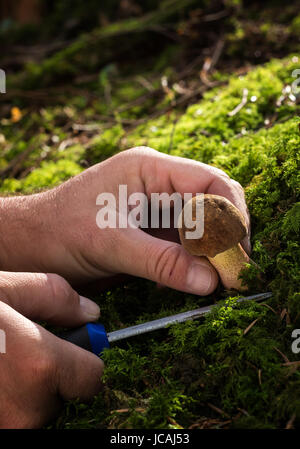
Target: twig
250, 326
290, 423
173, 422
145, 83
293, 364
205, 423
210, 63
217, 53
241, 105
269, 307
86, 127
283, 314
180, 90
218, 410
282, 355
216, 16
259, 376
244, 412
126, 410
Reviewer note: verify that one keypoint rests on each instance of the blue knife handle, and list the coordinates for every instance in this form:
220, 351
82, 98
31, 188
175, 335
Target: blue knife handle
91, 336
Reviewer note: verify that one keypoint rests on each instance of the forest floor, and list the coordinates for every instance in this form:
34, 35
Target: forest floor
216, 86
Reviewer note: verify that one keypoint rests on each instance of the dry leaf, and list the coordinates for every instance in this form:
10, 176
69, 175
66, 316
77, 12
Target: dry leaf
16, 114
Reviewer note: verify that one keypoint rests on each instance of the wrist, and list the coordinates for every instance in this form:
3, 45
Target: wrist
26, 231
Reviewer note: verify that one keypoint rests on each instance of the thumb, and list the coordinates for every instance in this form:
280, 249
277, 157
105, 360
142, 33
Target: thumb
166, 263
48, 297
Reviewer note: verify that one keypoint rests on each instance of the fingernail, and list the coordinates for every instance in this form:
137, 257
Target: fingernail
199, 278
90, 309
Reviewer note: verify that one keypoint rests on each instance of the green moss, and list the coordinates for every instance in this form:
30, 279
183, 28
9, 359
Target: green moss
295, 25
48, 175
105, 145
209, 123
168, 379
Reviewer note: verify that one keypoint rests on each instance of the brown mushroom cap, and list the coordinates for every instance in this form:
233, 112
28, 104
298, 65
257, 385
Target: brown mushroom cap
224, 226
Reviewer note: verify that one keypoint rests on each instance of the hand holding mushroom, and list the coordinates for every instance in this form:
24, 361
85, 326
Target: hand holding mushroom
224, 228
64, 223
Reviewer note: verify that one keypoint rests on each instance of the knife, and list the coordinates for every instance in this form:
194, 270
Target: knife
93, 336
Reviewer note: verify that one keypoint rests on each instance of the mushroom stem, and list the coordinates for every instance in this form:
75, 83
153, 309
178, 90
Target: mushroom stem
224, 228
229, 264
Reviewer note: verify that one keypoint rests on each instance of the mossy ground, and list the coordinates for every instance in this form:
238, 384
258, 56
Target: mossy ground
208, 373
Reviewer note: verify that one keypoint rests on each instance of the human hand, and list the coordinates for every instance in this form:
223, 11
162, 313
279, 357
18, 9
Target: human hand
78, 249
38, 369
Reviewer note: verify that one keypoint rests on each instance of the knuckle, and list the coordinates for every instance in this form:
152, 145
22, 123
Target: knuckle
8, 286
3, 292
140, 152
57, 286
237, 185
42, 368
38, 362
165, 266
221, 174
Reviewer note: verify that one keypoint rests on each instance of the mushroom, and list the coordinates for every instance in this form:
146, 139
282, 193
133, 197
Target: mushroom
224, 228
